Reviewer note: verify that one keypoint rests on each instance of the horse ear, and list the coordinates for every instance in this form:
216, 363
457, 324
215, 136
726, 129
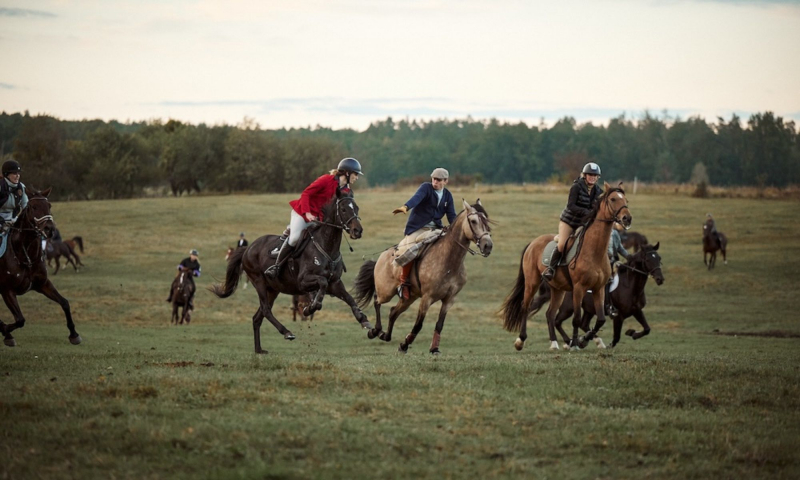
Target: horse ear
46, 193
606, 186
619, 185
466, 205
478, 202
656, 247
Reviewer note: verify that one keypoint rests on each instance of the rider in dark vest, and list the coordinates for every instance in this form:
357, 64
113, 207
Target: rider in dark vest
191, 262
13, 197
582, 196
308, 207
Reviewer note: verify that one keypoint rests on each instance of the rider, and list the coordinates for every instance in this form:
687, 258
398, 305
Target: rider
308, 208
429, 204
13, 197
615, 249
582, 195
242, 241
191, 262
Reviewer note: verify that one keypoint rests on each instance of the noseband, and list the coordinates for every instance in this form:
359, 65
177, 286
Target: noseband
615, 215
475, 237
342, 225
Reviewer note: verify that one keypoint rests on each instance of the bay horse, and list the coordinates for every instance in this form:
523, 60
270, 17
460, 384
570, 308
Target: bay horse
438, 276
24, 264
316, 268
629, 296
713, 241
589, 270
72, 243
56, 250
182, 290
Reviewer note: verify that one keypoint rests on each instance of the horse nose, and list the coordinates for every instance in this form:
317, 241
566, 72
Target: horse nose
357, 232
487, 247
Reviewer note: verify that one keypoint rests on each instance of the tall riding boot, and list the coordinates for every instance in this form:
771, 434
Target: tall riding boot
550, 272
609, 306
274, 271
404, 290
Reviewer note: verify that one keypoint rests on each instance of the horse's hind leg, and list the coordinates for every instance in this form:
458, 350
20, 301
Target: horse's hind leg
555, 318
338, 290
49, 290
639, 316
598, 295
424, 304
267, 298
394, 313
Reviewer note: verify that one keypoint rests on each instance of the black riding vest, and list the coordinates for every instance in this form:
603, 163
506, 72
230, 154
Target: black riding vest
580, 202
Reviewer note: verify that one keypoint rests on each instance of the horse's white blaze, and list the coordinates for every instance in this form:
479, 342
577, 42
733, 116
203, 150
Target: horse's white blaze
599, 342
620, 195
554, 345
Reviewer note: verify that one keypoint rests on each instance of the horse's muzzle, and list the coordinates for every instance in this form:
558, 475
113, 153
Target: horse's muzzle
485, 246
356, 231
626, 221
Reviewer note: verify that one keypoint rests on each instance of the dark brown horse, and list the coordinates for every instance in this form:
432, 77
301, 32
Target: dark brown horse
24, 264
438, 276
72, 243
316, 268
590, 270
629, 296
713, 241
182, 290
56, 250
633, 240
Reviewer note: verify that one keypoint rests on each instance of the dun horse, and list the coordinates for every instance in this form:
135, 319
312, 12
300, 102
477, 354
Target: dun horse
590, 270
182, 291
438, 276
24, 265
713, 241
629, 296
316, 268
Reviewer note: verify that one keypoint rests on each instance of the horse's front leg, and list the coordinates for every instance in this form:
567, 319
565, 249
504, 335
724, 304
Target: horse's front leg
555, 318
424, 305
309, 284
437, 330
639, 316
19, 321
599, 297
49, 290
338, 290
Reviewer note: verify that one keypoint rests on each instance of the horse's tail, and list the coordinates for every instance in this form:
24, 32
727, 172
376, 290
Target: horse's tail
541, 299
79, 241
513, 311
364, 286
232, 275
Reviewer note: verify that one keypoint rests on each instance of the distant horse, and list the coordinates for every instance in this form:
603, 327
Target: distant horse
72, 243
713, 241
633, 240
589, 270
316, 268
629, 296
300, 303
228, 257
24, 264
56, 250
440, 275
182, 290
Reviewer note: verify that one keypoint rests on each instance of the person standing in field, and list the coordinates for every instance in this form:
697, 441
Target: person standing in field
308, 208
430, 203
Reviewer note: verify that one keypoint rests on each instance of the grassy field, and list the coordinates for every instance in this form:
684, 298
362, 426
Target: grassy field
143, 399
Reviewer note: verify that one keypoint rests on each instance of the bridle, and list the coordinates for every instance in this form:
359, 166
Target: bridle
615, 215
341, 225
38, 222
475, 237
648, 274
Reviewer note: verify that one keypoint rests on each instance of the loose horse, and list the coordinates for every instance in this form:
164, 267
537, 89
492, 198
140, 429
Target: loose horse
629, 296
633, 240
438, 276
182, 290
24, 264
590, 270
56, 250
72, 243
316, 268
713, 241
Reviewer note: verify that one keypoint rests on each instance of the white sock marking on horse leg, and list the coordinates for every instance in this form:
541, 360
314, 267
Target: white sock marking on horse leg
599, 342
554, 345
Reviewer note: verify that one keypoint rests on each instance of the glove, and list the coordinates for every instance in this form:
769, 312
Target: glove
310, 217
402, 209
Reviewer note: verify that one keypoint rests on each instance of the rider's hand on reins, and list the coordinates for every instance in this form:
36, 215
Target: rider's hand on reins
310, 217
403, 209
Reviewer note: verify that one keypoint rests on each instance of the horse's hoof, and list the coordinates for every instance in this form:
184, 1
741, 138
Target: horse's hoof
519, 343
372, 333
307, 312
554, 345
435, 352
575, 349
289, 336
403, 348
10, 342
630, 332
386, 338
76, 340
261, 352
366, 326
599, 342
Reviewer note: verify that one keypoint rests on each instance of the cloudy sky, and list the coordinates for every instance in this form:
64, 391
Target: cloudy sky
339, 64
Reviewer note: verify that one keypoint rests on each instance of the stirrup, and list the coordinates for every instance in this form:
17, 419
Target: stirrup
400, 291
549, 273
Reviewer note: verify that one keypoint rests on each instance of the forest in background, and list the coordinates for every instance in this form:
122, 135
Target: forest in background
94, 159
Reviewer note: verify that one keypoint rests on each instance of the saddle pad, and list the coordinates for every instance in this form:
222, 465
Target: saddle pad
551, 247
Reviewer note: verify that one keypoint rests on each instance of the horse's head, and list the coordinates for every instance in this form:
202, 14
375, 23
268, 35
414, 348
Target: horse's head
476, 226
614, 206
346, 214
37, 214
650, 261
708, 226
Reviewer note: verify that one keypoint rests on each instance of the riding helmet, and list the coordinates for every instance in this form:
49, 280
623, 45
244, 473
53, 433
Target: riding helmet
194, 252
591, 168
350, 165
11, 166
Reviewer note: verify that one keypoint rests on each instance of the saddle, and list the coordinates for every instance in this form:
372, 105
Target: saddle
571, 251
417, 250
305, 237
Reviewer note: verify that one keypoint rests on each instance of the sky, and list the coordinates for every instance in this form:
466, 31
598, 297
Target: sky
346, 64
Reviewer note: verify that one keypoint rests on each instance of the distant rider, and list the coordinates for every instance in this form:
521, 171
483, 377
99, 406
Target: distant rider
193, 264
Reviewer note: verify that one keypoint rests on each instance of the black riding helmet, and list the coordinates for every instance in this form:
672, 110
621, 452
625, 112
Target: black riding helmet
350, 165
591, 168
11, 166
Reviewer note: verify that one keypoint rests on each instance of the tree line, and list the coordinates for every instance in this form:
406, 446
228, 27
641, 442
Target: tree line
93, 159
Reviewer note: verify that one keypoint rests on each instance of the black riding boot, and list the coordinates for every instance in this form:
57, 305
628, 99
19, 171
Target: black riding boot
550, 272
609, 306
274, 271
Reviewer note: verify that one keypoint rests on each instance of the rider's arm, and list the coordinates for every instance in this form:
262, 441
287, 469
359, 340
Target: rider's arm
316, 187
451, 209
419, 196
572, 202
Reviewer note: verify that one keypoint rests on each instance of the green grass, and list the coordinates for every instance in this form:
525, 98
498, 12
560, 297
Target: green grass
143, 399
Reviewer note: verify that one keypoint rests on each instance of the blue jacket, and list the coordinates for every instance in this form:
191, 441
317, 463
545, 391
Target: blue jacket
426, 208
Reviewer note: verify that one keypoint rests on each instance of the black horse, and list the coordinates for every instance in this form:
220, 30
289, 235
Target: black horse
24, 264
314, 268
629, 296
182, 290
713, 241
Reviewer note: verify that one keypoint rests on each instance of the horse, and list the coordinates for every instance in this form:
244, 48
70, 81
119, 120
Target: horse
24, 264
440, 275
182, 290
57, 250
713, 241
629, 296
590, 269
316, 268
299, 303
228, 257
72, 243
633, 240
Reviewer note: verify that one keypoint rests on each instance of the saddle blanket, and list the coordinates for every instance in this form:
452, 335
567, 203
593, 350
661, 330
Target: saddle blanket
551, 247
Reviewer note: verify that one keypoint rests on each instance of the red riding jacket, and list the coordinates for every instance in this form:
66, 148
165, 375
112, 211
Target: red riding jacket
315, 196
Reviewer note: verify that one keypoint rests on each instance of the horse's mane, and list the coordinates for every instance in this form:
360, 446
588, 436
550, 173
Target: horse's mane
588, 219
487, 224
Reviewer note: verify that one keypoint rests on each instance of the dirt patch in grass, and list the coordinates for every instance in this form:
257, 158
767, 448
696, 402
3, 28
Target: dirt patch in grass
767, 334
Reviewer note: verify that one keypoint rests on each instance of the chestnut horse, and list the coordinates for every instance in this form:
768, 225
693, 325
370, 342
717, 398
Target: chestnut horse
24, 264
315, 268
438, 276
589, 270
713, 241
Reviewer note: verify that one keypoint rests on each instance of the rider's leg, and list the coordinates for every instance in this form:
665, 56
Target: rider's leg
609, 305
564, 231
296, 226
404, 289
